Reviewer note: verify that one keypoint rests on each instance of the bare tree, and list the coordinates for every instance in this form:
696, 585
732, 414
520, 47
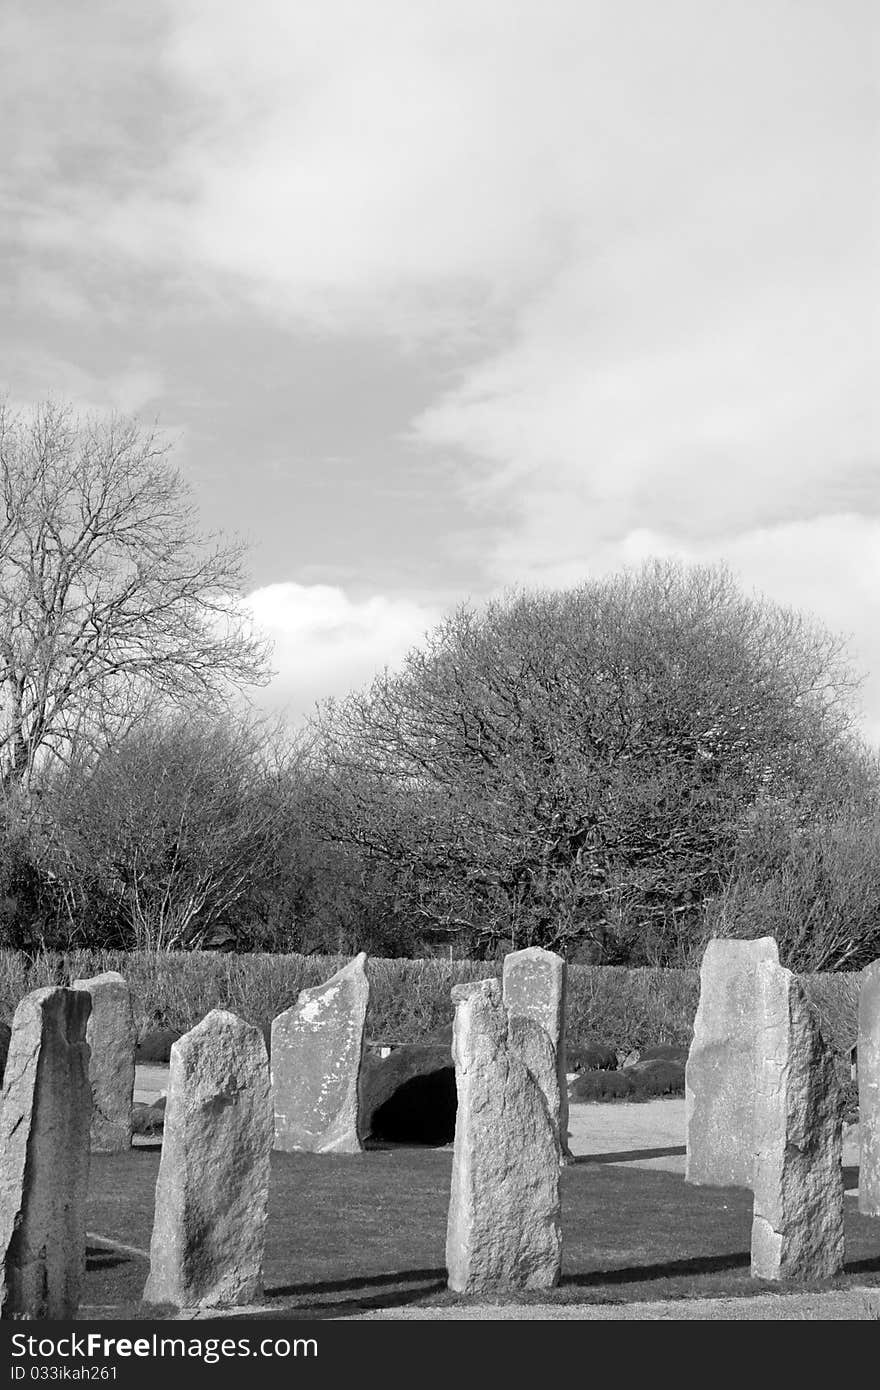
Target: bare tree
568, 769
169, 834
111, 600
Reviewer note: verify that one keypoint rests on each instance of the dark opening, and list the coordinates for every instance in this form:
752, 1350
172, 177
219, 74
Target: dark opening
420, 1111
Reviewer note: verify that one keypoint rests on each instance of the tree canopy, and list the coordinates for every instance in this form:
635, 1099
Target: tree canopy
571, 768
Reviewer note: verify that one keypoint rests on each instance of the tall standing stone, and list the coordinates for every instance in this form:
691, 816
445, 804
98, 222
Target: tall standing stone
797, 1226
869, 1090
111, 1038
504, 1228
533, 984
44, 1156
213, 1185
317, 1052
722, 1064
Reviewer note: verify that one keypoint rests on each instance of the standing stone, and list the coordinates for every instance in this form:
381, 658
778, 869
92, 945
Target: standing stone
44, 1144
722, 1064
869, 1090
797, 1226
111, 1038
533, 986
213, 1185
317, 1052
504, 1228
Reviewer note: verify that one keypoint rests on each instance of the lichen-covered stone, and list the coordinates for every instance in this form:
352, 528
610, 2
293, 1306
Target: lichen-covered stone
111, 1038
869, 1090
722, 1064
317, 1053
797, 1226
213, 1184
44, 1156
533, 984
504, 1228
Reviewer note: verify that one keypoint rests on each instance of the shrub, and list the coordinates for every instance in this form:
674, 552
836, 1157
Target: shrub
409, 999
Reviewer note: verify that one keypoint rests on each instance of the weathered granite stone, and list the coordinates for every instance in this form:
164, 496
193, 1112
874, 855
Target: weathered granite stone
213, 1184
533, 986
317, 1052
722, 1064
111, 1038
797, 1226
44, 1156
504, 1228
869, 1090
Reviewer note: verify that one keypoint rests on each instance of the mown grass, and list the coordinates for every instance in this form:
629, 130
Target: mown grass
352, 1232
408, 998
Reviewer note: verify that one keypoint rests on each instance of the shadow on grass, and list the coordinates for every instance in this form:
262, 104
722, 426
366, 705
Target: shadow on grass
625, 1154
870, 1266
99, 1258
408, 1276
669, 1269
427, 1282
851, 1179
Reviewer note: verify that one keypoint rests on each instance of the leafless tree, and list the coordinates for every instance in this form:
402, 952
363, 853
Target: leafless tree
111, 599
568, 769
168, 834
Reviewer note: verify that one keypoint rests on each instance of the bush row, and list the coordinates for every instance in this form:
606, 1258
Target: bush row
623, 1008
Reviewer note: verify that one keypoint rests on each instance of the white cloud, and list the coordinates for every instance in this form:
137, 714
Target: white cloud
326, 643
642, 234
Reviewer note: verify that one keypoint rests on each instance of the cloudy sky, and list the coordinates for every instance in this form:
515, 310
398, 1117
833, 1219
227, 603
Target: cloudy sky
439, 296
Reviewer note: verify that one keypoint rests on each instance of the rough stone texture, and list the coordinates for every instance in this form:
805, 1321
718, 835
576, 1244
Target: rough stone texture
213, 1185
317, 1053
504, 1228
111, 1039
797, 1226
44, 1143
533, 986
869, 1090
722, 1064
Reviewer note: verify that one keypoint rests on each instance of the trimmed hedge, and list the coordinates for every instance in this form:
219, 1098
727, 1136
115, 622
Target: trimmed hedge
619, 1007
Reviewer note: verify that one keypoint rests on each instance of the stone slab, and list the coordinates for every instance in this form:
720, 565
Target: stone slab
533, 984
317, 1054
213, 1185
504, 1228
722, 1064
111, 1037
44, 1142
798, 1225
869, 1090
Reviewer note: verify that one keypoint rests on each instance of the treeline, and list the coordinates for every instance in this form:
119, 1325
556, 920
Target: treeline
615, 772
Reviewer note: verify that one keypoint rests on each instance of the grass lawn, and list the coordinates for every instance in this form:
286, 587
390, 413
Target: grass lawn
352, 1232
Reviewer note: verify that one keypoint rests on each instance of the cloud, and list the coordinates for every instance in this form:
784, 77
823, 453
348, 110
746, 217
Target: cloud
34, 376
326, 643
638, 241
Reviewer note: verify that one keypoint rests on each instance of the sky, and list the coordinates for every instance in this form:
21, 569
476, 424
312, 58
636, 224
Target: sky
438, 297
